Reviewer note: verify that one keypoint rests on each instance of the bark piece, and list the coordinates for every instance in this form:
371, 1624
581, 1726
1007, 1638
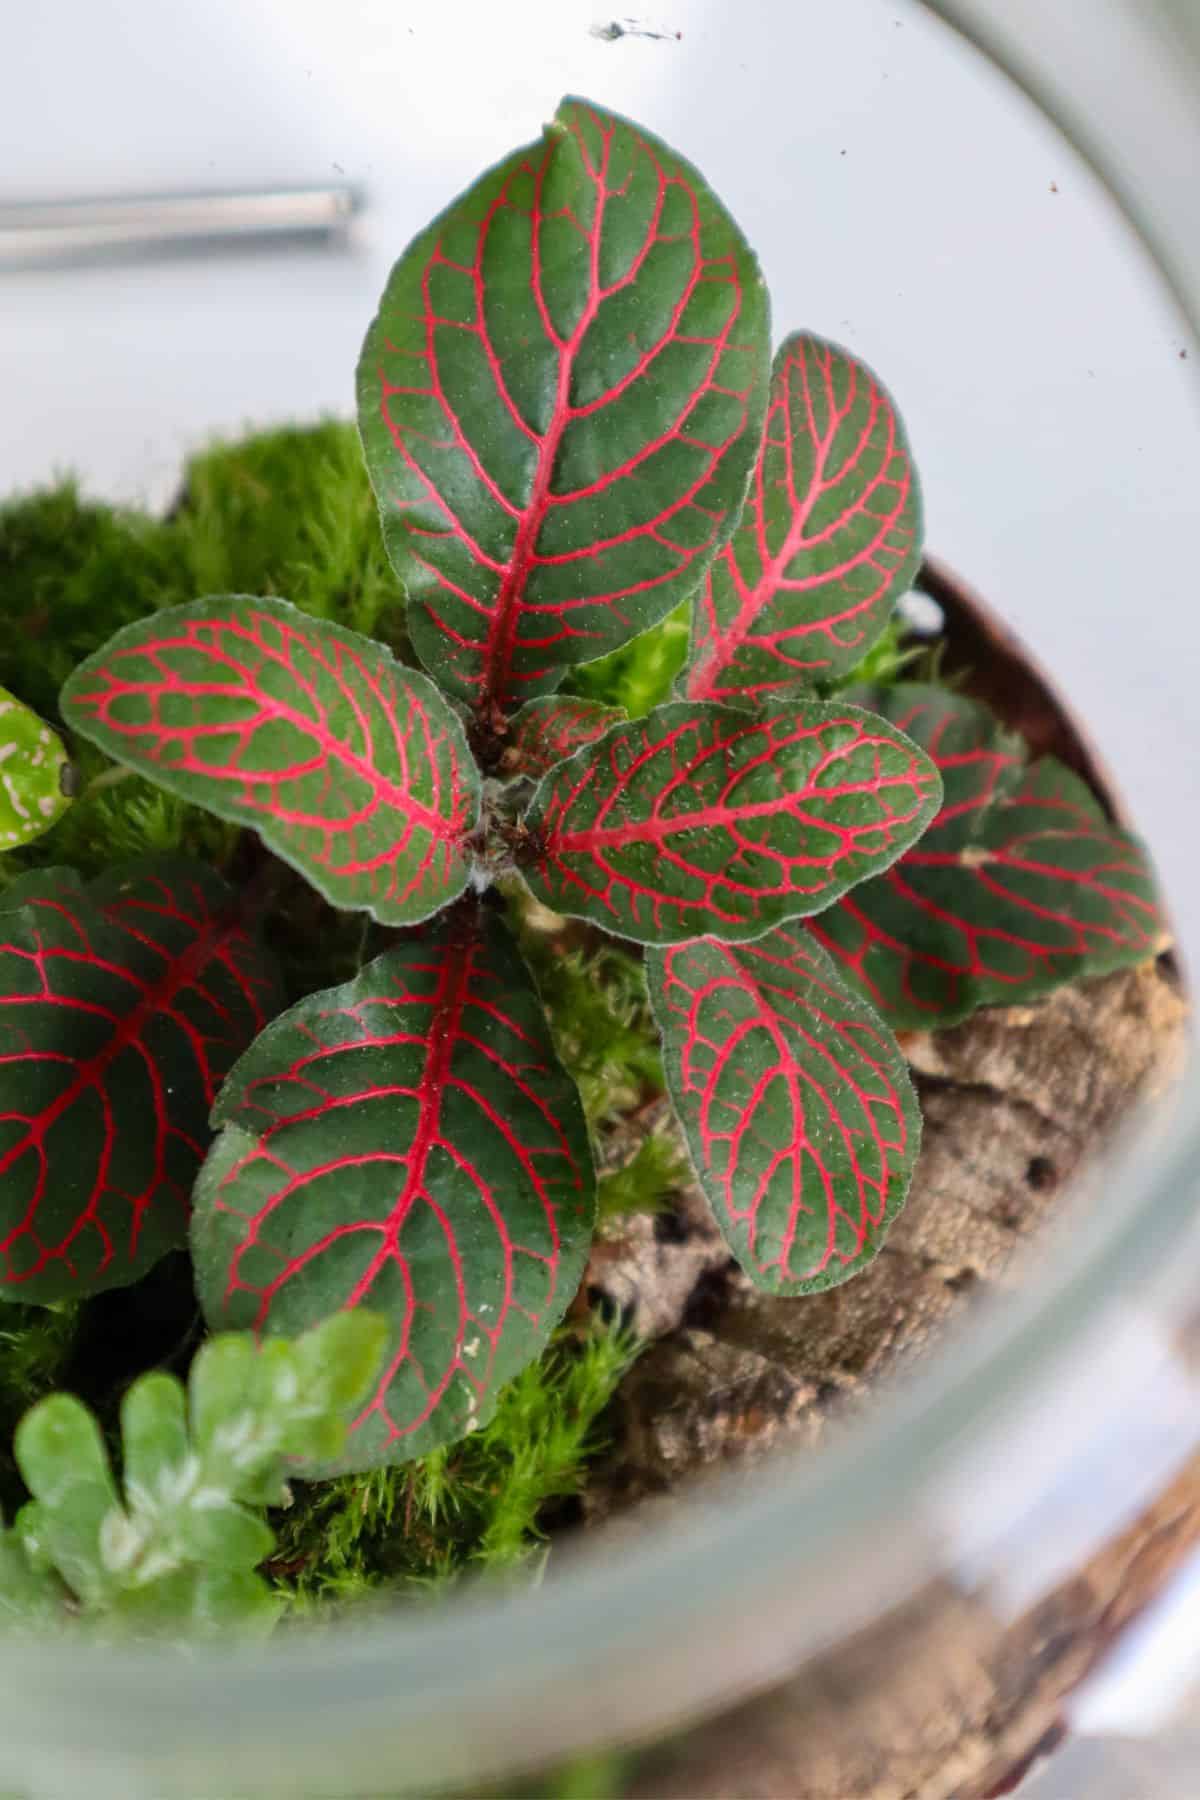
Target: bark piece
941, 1700
937, 1701
1015, 1101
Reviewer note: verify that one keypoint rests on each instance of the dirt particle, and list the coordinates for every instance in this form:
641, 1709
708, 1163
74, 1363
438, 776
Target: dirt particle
1041, 1174
708, 1299
616, 29
1054, 187
606, 1308
669, 1228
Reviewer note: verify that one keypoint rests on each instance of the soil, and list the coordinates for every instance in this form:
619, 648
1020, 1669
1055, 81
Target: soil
1016, 1102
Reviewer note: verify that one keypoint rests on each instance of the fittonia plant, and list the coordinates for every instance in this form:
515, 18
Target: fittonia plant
571, 422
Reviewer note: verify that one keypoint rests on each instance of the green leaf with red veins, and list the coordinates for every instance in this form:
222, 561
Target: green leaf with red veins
546, 731
795, 1100
352, 768
702, 819
122, 1007
408, 1143
1020, 884
829, 539
560, 401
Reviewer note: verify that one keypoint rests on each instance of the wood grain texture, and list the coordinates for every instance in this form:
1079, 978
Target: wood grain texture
947, 1698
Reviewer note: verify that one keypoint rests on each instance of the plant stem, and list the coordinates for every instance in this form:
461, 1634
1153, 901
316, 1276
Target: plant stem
105, 779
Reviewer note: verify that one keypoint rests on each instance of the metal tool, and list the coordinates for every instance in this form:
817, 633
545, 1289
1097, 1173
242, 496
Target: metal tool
86, 230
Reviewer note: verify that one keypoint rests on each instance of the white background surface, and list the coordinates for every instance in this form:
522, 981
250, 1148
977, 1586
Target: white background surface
901, 195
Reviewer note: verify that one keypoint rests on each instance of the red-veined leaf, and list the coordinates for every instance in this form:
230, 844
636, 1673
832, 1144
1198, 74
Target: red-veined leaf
122, 1007
560, 401
1021, 882
829, 538
546, 731
703, 819
353, 769
795, 1100
410, 1143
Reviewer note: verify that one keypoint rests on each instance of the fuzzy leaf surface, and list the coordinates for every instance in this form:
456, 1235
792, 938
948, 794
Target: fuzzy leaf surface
829, 539
122, 1007
702, 819
795, 1100
407, 1142
351, 767
560, 401
34, 774
548, 730
1020, 884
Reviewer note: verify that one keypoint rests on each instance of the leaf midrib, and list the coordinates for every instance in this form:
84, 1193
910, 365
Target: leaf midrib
655, 830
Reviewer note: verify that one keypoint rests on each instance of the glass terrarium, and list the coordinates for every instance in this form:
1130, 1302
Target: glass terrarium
721, 1523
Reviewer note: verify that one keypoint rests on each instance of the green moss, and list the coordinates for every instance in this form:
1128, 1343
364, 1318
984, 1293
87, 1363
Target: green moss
478, 1504
594, 992
599, 1777
653, 1175
35, 1347
71, 573
290, 513
34, 1344
639, 676
891, 656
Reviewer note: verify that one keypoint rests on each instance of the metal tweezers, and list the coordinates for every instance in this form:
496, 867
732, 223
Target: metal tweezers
85, 230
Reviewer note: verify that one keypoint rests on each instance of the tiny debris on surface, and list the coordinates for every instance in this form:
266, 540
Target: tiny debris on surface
615, 29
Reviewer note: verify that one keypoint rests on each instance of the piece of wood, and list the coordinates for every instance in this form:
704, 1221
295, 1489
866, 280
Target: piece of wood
1015, 1101
941, 1700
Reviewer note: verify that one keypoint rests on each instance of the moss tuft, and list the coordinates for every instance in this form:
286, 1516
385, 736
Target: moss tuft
650, 1179
35, 1347
479, 1504
71, 573
638, 676
595, 997
290, 513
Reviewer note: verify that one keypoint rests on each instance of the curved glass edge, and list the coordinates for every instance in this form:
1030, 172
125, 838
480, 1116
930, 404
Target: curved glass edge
441, 1698
1124, 92
733, 1598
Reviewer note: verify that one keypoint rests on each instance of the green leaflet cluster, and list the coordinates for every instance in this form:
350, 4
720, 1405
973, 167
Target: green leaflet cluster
36, 779
572, 426
178, 1541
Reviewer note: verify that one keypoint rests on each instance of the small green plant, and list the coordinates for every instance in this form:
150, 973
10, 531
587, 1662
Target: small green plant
178, 1543
36, 780
575, 432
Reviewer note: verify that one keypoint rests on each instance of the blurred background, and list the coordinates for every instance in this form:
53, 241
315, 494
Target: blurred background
902, 195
